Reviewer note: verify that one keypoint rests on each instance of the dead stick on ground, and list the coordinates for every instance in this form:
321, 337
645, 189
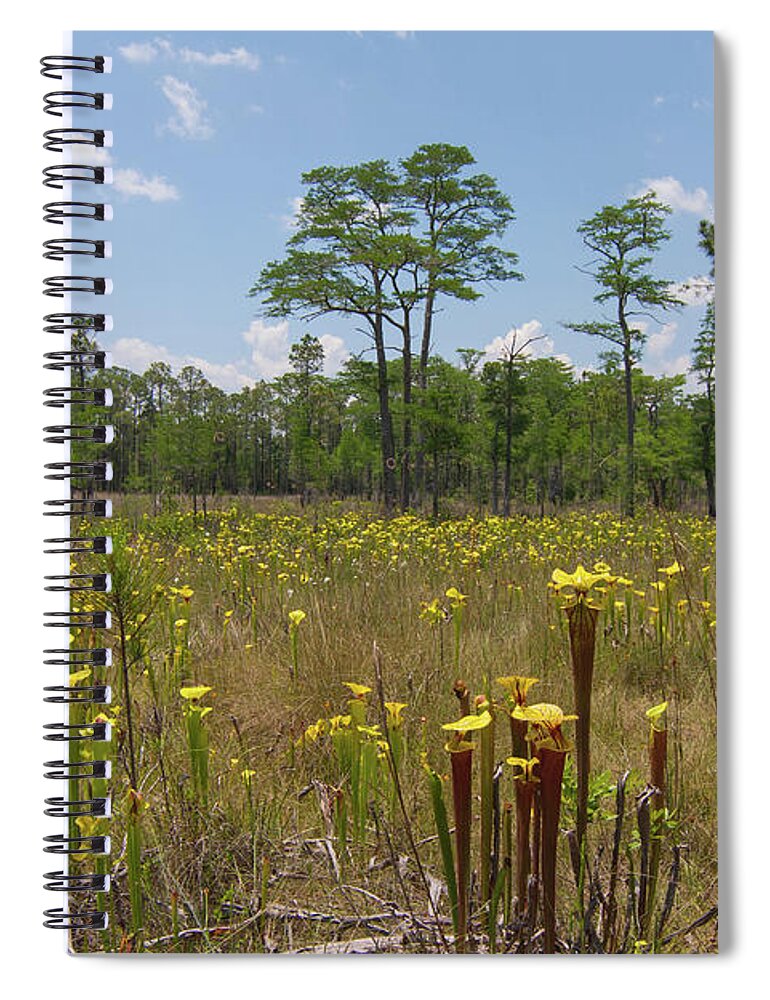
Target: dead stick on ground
694, 925
359, 946
342, 921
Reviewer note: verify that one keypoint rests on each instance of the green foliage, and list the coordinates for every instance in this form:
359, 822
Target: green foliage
624, 240
376, 242
552, 437
703, 407
380, 244
601, 786
198, 746
296, 813
134, 862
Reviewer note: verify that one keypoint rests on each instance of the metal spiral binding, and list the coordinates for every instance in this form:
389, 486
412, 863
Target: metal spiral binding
59, 249
69, 508
83, 891
91, 657
57, 138
79, 582
92, 322
54, 66
59, 844
59, 99
60, 694
85, 433
77, 619
64, 173
59, 361
97, 545
58, 211
64, 395
63, 284
101, 471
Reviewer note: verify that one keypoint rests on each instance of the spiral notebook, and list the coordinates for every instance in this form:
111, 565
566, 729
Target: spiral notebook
383, 372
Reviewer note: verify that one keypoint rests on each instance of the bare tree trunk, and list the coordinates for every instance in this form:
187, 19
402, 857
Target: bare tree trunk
422, 385
387, 445
507, 460
406, 458
711, 492
495, 476
628, 364
435, 484
708, 444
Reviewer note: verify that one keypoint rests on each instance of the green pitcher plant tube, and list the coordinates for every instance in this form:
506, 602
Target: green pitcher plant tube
135, 806
295, 620
197, 739
445, 843
457, 604
657, 748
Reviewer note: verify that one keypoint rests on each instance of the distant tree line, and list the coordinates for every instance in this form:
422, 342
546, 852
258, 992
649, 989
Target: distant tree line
499, 435
383, 244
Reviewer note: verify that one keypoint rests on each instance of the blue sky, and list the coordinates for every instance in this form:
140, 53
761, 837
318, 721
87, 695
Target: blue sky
212, 131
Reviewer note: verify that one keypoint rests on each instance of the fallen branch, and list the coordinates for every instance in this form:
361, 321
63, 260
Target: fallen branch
341, 921
704, 919
359, 946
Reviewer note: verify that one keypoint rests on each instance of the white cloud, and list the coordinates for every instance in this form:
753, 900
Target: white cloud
671, 366
138, 355
270, 346
269, 356
127, 181
147, 52
658, 343
335, 353
97, 156
658, 356
694, 291
290, 221
189, 119
541, 346
673, 193
227, 376
139, 52
134, 184
240, 57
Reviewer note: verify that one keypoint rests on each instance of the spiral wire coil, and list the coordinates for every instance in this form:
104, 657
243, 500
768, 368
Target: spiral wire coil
83, 890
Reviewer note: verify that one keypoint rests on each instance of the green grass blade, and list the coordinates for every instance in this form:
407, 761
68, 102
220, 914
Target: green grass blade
445, 841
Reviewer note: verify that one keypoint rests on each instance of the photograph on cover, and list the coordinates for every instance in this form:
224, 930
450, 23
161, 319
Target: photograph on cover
412, 584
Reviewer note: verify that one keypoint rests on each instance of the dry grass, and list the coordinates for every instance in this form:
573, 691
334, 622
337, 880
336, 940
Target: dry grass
269, 831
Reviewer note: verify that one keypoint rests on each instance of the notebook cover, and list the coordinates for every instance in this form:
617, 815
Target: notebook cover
411, 583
